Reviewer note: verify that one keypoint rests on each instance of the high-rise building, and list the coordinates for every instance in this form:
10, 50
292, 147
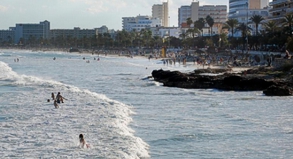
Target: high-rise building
186, 11
279, 8
26, 32
161, 11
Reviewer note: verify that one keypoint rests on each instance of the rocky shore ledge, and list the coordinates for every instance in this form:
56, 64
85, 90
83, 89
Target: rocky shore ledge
273, 82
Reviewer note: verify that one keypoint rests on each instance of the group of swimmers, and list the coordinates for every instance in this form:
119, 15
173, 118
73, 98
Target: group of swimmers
16, 60
59, 99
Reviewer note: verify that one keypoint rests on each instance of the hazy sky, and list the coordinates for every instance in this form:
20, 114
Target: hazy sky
86, 14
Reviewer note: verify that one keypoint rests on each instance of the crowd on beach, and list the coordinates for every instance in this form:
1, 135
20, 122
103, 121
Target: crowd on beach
235, 58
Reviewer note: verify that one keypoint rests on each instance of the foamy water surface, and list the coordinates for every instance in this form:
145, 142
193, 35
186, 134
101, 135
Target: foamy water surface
124, 115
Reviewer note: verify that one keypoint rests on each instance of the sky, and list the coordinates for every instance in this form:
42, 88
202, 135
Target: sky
86, 14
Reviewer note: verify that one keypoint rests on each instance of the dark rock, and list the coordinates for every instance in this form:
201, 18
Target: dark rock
226, 81
278, 91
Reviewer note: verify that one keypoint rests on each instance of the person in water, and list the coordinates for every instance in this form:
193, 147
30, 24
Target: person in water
59, 98
56, 104
82, 142
53, 96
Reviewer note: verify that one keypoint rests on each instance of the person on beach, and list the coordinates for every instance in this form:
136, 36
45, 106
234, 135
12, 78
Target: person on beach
59, 98
82, 142
287, 56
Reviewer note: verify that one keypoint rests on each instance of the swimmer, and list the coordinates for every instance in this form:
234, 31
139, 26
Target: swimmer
60, 98
82, 141
56, 104
53, 96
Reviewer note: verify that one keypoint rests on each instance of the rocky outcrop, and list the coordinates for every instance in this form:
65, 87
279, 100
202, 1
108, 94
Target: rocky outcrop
224, 81
278, 91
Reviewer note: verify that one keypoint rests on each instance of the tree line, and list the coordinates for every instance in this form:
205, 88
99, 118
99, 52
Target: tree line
274, 33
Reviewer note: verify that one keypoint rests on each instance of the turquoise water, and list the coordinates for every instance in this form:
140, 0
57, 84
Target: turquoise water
124, 116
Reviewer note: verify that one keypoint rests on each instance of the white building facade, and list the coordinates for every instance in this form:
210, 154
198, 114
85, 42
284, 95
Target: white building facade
140, 22
279, 8
244, 15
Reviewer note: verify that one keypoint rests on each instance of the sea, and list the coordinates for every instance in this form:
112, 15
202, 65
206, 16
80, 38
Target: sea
123, 114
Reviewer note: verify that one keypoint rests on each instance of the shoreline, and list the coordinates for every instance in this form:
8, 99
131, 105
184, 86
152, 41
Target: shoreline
117, 53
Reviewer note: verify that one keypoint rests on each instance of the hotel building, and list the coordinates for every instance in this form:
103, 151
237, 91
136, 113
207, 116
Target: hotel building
25, 32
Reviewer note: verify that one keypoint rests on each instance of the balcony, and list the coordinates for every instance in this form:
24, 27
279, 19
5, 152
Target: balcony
277, 2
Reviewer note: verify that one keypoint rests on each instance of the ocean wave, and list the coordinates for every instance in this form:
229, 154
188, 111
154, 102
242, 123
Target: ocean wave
38, 127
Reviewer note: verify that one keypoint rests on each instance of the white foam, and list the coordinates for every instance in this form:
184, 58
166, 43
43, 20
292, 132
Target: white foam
34, 128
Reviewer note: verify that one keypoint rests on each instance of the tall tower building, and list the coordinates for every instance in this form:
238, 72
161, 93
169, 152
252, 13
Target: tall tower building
161, 11
185, 12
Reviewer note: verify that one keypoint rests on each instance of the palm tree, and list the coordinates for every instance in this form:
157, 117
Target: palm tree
146, 35
188, 22
232, 24
210, 22
271, 27
288, 21
245, 30
256, 19
199, 24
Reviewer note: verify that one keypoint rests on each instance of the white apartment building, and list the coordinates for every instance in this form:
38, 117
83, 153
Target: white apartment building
161, 11
140, 22
279, 8
28, 31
